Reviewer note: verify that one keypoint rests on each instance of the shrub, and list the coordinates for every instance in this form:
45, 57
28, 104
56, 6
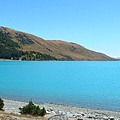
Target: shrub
42, 112
32, 110
1, 104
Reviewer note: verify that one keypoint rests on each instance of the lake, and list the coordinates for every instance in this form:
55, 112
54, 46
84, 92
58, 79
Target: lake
91, 84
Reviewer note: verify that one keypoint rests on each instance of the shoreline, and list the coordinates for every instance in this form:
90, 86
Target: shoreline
71, 112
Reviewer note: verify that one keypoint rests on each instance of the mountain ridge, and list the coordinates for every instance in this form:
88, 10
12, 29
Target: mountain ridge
55, 49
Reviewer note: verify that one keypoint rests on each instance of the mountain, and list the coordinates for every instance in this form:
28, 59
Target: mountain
117, 58
20, 45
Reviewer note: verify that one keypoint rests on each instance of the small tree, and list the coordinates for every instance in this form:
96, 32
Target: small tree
36, 111
32, 110
42, 112
28, 109
1, 104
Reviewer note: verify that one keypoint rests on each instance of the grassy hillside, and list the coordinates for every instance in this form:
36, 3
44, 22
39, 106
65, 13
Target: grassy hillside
10, 49
19, 45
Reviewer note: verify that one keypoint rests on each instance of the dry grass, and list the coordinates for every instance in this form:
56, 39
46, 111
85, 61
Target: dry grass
12, 116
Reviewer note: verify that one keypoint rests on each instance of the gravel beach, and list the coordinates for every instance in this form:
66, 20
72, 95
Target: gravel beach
62, 112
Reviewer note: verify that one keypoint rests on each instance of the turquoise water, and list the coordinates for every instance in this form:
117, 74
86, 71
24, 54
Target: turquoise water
86, 84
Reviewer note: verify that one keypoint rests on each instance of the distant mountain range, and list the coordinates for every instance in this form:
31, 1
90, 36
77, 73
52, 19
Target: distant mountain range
20, 45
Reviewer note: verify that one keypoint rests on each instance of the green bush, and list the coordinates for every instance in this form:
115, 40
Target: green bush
32, 110
1, 104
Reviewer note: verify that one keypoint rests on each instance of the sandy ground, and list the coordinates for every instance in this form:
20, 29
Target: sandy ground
62, 112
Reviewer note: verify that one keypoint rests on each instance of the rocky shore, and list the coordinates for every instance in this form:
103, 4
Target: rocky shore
57, 112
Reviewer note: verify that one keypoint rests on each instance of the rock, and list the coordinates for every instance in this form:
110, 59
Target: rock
58, 117
61, 113
105, 118
90, 116
111, 118
82, 113
79, 119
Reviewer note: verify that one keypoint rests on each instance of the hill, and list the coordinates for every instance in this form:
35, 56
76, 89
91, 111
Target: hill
20, 45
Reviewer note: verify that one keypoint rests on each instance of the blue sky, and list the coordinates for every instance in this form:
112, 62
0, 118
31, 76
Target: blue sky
94, 24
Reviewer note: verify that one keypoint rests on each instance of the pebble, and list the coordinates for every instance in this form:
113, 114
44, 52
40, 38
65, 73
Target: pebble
62, 112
